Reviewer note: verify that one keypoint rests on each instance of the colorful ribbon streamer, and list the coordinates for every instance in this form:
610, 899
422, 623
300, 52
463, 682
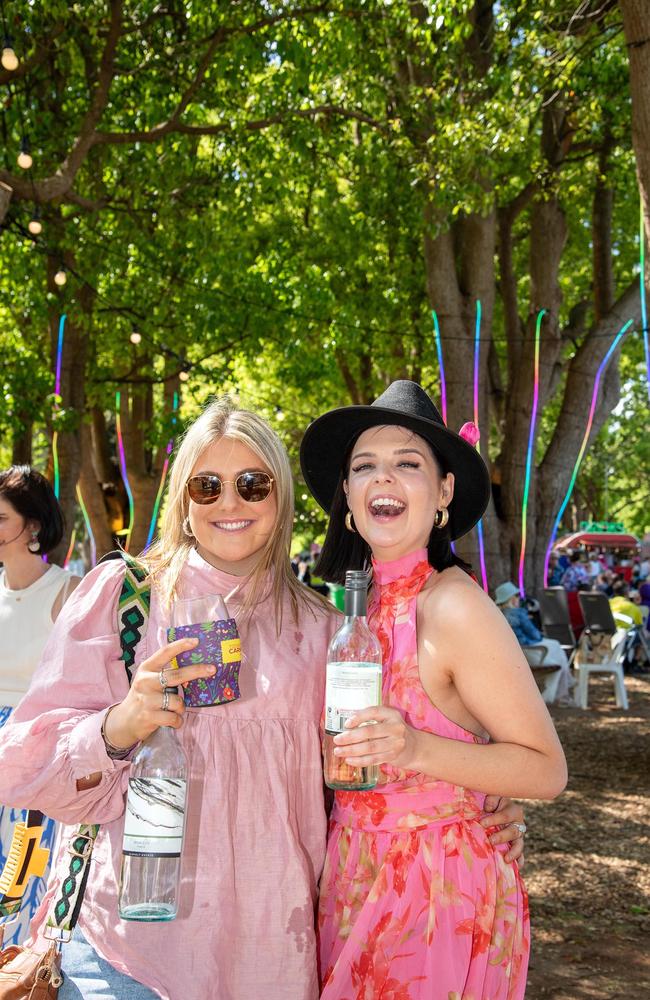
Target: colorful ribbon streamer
644, 310
443, 383
57, 393
125, 478
477, 349
91, 537
530, 452
163, 476
583, 447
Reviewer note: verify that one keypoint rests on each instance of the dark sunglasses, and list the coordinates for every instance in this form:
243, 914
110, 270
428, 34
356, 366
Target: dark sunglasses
251, 486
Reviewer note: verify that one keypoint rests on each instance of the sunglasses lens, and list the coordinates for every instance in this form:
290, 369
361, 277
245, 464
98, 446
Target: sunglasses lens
204, 489
254, 486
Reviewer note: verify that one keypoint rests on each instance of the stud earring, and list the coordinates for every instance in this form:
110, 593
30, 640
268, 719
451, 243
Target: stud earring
34, 545
349, 523
441, 518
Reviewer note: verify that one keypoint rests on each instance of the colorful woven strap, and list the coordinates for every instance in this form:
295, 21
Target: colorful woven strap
64, 911
26, 858
133, 618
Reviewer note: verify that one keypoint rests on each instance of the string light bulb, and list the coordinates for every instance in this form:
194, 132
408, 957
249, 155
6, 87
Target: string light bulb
9, 59
135, 337
60, 277
35, 225
184, 376
25, 159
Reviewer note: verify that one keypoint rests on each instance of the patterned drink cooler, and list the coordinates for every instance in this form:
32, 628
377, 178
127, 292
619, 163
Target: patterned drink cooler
219, 644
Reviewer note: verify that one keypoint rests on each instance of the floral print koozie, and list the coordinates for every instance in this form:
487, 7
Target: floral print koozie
219, 643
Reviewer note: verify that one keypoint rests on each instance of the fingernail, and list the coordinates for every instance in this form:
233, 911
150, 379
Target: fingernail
350, 722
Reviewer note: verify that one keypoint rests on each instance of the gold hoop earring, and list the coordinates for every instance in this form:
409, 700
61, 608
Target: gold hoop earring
349, 523
441, 518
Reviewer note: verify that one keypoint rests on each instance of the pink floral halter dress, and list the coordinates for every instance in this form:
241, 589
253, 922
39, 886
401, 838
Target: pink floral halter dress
415, 903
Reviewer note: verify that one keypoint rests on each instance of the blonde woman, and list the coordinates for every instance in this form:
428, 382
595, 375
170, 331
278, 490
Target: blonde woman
256, 824
255, 828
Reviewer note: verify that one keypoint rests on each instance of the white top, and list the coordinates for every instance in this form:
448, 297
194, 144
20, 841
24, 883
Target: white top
25, 625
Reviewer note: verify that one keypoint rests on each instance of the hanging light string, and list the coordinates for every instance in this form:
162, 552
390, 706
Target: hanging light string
583, 447
530, 453
477, 349
163, 476
125, 478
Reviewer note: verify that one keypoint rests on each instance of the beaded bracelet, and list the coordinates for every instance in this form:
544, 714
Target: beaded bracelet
115, 753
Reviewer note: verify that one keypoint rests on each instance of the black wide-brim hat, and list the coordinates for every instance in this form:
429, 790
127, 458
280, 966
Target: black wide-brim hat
328, 439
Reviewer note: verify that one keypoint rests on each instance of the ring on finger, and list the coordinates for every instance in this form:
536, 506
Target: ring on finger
163, 679
165, 701
520, 827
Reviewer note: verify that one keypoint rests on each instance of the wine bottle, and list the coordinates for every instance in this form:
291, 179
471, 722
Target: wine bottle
353, 682
153, 829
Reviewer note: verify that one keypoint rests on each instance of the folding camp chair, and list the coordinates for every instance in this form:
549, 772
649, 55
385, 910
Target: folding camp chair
602, 647
556, 623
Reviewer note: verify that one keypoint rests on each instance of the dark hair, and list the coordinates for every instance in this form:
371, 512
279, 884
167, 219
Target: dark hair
31, 496
621, 588
343, 549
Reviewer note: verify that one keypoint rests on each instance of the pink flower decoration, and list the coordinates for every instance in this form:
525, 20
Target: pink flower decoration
470, 433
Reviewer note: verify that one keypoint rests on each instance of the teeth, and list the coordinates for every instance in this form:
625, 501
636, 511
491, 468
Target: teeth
232, 525
387, 502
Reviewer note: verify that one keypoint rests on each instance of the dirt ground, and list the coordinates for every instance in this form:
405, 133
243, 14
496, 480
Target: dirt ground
588, 856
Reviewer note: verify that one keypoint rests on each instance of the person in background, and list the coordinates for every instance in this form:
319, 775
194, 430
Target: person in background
555, 570
507, 598
603, 583
32, 593
576, 573
621, 604
644, 595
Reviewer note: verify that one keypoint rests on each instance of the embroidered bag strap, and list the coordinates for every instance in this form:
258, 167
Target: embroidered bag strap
133, 618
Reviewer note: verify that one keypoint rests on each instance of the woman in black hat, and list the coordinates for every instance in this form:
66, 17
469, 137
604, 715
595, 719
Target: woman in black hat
416, 901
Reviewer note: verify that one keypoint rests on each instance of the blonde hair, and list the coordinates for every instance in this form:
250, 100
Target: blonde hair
166, 558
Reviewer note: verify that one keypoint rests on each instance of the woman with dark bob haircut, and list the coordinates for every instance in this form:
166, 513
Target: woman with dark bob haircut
32, 593
418, 899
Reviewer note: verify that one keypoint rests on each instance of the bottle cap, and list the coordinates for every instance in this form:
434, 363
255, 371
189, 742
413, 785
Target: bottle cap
356, 579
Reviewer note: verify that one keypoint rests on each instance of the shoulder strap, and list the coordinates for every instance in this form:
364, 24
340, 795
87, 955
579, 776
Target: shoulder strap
132, 620
26, 858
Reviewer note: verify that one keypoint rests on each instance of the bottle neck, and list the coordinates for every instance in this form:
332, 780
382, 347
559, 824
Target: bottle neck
356, 604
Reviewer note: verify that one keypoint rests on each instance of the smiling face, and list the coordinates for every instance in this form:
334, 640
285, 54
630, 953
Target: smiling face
394, 488
231, 533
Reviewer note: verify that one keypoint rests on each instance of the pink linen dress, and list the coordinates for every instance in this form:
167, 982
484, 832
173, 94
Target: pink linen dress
256, 824
415, 903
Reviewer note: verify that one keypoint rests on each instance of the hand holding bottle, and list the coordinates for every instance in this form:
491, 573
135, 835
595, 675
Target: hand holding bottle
389, 741
142, 712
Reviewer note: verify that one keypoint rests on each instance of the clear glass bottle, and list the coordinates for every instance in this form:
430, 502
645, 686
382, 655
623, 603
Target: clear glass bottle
353, 682
153, 829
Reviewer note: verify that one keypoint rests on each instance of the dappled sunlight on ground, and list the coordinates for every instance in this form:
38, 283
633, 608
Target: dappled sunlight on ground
588, 856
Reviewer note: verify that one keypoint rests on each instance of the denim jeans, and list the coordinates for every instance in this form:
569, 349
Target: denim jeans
87, 975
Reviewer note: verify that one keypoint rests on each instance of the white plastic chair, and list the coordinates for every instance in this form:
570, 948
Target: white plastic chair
611, 663
550, 672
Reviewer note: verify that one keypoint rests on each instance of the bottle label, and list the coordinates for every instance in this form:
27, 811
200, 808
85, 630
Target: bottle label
349, 688
155, 811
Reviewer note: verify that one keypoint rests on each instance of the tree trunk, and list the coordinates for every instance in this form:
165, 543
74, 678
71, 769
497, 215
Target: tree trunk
21, 451
93, 496
73, 397
637, 36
